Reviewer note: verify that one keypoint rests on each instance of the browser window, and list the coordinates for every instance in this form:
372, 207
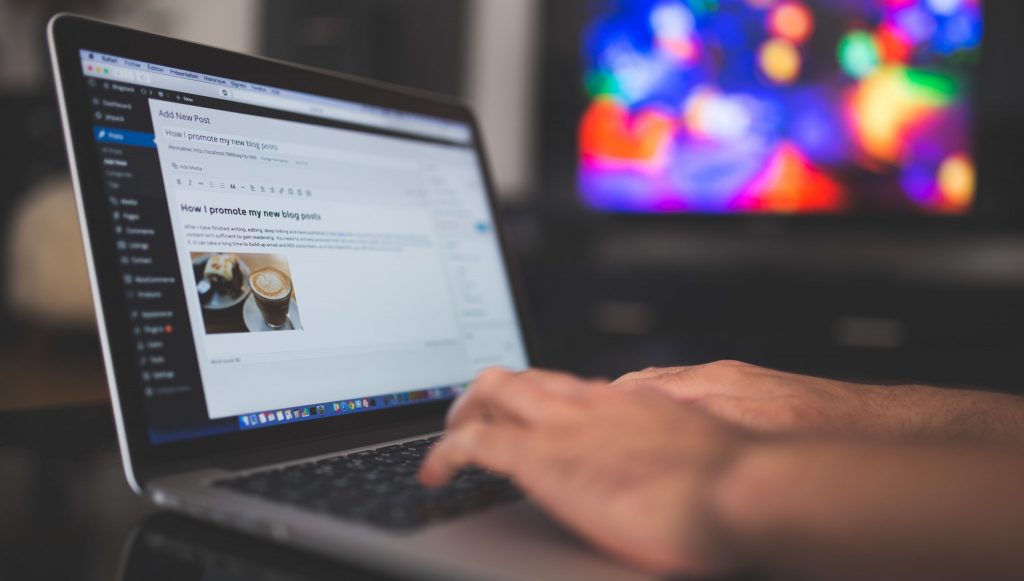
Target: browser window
288, 257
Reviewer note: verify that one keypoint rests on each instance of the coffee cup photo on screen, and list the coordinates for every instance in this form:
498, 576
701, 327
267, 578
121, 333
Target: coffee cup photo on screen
245, 293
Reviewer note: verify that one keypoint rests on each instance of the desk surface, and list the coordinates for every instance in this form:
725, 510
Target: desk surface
67, 513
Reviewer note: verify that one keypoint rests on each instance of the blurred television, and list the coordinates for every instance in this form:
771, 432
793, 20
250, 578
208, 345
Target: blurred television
779, 107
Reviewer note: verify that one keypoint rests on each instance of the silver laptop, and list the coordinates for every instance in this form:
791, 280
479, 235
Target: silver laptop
294, 275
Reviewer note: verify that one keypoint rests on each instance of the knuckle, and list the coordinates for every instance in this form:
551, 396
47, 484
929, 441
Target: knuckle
733, 364
721, 364
490, 382
725, 368
626, 378
492, 375
645, 373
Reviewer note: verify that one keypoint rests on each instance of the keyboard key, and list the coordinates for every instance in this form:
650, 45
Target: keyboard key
378, 487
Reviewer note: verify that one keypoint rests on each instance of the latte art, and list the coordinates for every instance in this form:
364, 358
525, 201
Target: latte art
270, 283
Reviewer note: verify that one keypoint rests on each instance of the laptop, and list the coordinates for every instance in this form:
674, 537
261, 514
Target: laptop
294, 274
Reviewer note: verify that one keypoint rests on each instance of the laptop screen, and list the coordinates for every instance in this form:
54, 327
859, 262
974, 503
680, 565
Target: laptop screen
287, 257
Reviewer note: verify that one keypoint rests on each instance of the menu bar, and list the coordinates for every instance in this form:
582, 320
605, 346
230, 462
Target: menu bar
99, 65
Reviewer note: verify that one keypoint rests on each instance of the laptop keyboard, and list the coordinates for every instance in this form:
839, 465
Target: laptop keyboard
378, 487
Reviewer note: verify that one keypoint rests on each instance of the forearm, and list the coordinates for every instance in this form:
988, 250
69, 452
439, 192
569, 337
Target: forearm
819, 510
949, 415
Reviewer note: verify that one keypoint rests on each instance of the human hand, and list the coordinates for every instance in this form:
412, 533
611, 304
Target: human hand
630, 471
774, 402
770, 401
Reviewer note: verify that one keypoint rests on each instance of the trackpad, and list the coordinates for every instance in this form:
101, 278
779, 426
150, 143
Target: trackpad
519, 540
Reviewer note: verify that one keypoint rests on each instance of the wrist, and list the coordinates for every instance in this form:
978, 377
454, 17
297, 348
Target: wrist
767, 503
903, 411
929, 413
738, 505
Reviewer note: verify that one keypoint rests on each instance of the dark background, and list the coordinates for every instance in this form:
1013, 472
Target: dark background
869, 298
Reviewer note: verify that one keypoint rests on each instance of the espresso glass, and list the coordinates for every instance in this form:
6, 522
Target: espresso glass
272, 290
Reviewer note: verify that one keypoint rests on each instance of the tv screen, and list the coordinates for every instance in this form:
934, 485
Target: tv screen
780, 106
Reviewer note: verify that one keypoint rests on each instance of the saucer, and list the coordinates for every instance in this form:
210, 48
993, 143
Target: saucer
254, 318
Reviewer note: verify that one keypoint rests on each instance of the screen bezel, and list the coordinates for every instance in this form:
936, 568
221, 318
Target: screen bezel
71, 33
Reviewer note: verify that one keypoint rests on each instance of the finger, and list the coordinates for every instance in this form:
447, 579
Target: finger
494, 447
524, 398
484, 378
519, 397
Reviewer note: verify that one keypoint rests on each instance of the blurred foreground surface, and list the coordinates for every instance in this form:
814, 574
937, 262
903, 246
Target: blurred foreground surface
68, 513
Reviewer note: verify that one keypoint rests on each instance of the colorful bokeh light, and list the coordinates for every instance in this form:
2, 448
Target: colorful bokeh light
887, 105
957, 181
780, 61
793, 21
859, 54
780, 106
